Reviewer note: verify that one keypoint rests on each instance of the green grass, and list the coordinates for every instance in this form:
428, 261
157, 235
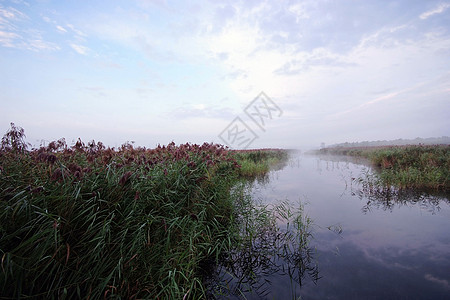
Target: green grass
407, 167
259, 162
88, 221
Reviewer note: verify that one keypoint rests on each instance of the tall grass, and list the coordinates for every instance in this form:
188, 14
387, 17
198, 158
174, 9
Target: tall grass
372, 189
86, 221
259, 162
416, 167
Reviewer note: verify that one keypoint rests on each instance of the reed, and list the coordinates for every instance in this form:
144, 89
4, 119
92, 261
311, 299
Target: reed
87, 221
406, 167
259, 162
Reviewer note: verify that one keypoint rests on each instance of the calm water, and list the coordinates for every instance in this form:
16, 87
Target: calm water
397, 248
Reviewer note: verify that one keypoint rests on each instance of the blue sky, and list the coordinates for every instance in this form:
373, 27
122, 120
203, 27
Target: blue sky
155, 71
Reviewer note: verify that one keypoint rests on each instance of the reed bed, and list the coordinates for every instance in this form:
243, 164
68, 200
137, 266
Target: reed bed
406, 167
259, 162
92, 222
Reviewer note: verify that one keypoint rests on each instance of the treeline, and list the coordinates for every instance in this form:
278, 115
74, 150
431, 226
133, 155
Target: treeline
444, 140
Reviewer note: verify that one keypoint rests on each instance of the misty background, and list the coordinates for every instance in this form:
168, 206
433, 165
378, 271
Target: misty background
155, 71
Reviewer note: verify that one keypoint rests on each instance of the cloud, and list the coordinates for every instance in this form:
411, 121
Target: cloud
21, 2
202, 111
299, 10
391, 97
155, 41
8, 29
315, 58
83, 50
318, 58
7, 39
109, 65
61, 29
77, 34
11, 13
38, 45
438, 10
388, 37
149, 4
77, 31
222, 15
14, 40
236, 74
443, 282
19, 37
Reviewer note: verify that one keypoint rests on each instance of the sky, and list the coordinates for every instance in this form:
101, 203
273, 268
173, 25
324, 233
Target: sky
246, 74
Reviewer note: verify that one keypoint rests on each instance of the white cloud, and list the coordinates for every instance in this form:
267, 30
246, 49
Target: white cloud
77, 31
325, 71
299, 10
11, 13
202, 111
38, 45
328, 86
246, 54
61, 29
13, 40
21, 37
80, 49
47, 19
21, 2
324, 81
443, 282
438, 10
7, 39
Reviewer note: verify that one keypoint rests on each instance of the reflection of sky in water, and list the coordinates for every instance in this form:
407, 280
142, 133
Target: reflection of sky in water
382, 253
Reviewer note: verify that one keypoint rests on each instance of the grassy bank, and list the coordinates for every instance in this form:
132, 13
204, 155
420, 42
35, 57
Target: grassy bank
87, 221
417, 167
259, 162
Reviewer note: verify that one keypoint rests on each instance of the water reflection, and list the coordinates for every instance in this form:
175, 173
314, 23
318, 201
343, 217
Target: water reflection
389, 199
380, 273
275, 245
394, 244
369, 243
365, 186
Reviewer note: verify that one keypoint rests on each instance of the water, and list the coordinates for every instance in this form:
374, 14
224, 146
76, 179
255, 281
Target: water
389, 248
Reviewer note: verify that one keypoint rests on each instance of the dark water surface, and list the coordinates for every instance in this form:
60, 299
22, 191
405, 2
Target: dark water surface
389, 248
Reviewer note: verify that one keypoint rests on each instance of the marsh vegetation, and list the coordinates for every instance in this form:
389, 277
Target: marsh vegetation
184, 222
87, 221
404, 167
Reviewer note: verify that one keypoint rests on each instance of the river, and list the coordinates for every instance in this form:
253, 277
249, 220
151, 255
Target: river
366, 246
